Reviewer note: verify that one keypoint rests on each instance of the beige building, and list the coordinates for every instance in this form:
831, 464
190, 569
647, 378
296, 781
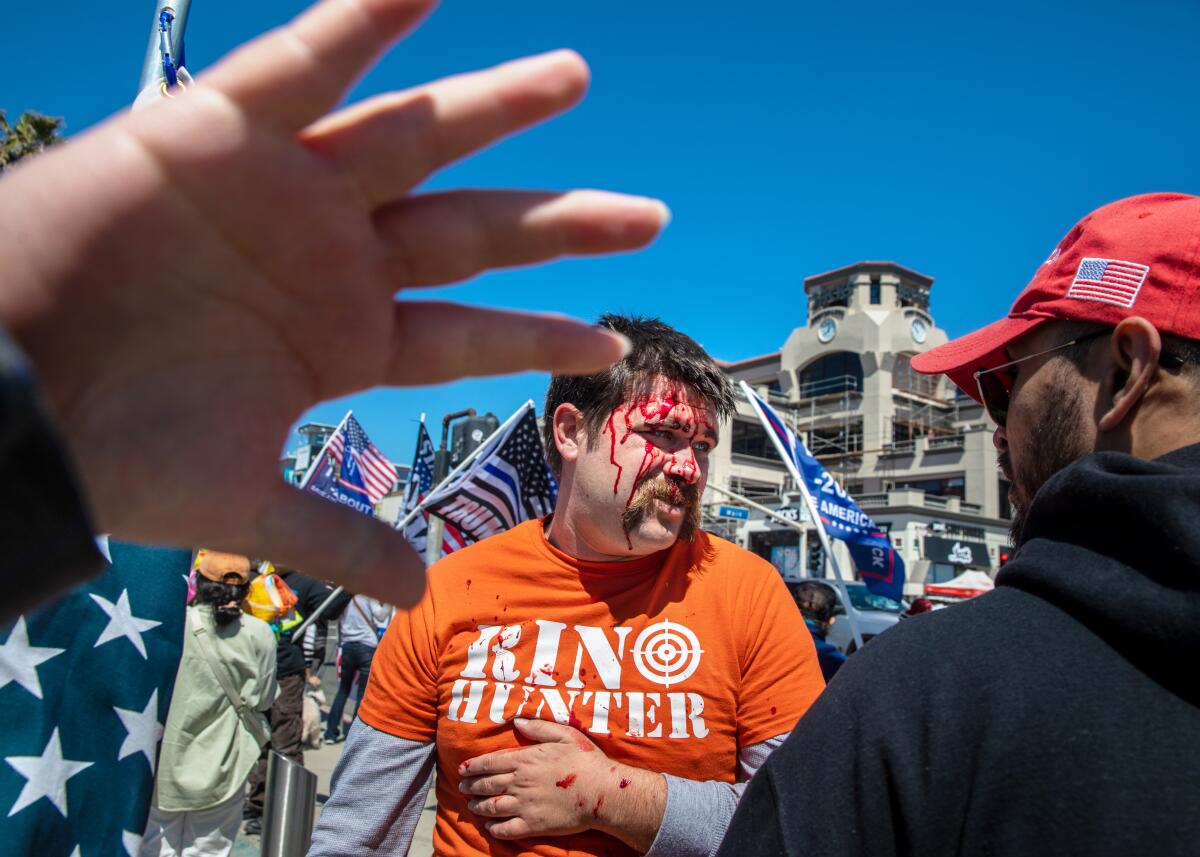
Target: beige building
915, 453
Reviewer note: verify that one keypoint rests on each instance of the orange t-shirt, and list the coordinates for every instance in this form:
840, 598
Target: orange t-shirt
670, 662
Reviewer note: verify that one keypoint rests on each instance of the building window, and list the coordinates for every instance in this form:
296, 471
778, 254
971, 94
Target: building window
908, 381
940, 572
947, 486
749, 438
1006, 508
876, 289
838, 372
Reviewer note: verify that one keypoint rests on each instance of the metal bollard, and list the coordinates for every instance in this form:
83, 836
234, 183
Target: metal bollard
291, 802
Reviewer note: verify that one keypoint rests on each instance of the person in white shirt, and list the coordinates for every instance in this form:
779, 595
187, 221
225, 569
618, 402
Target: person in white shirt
359, 629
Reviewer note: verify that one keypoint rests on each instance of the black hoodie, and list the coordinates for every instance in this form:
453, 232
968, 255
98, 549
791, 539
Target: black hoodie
1058, 714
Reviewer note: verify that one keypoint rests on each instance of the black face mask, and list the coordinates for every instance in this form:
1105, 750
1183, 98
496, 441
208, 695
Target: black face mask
225, 615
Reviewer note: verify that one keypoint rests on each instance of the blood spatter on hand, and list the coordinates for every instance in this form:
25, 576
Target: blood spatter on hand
624, 784
566, 782
596, 808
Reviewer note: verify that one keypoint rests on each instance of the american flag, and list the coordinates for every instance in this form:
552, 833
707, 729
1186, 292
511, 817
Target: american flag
365, 469
1109, 281
508, 483
420, 481
85, 685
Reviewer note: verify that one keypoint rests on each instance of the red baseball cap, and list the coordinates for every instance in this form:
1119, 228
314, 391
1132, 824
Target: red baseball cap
1138, 256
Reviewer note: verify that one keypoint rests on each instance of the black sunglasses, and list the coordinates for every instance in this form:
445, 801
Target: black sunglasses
995, 384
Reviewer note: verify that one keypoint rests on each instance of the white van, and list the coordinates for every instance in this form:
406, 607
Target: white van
874, 613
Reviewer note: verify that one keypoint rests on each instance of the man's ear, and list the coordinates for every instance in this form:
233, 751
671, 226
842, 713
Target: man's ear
1134, 349
570, 435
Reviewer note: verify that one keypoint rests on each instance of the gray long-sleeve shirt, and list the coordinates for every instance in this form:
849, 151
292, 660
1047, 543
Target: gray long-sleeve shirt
380, 783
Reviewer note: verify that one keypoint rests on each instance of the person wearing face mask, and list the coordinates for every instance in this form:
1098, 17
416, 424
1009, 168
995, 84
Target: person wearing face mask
217, 721
602, 681
1057, 714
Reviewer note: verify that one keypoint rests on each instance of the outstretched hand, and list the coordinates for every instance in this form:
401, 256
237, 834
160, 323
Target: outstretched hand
190, 278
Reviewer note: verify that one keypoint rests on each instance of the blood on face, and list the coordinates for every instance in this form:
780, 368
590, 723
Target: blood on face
642, 422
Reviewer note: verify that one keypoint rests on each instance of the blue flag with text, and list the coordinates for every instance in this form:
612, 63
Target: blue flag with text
878, 563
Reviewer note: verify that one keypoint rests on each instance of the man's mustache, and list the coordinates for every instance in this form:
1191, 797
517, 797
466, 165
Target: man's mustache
683, 494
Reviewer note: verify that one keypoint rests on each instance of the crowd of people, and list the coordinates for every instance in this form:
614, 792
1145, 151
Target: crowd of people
610, 679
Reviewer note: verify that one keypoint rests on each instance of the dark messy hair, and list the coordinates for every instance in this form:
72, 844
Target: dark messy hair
212, 592
659, 350
815, 600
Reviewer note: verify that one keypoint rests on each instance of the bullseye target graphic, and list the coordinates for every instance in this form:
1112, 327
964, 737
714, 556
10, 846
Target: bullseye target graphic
667, 653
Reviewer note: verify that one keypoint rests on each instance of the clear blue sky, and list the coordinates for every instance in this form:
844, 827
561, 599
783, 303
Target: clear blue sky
959, 139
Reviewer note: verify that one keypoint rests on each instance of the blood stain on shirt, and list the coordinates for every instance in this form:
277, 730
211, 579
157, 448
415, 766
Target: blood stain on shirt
773, 709
566, 782
573, 721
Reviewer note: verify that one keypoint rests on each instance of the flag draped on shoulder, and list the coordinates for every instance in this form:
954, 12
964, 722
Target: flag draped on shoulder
509, 482
85, 685
420, 482
878, 563
351, 470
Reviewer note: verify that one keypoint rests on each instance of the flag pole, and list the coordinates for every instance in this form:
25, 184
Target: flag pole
312, 468
152, 62
473, 455
401, 524
813, 512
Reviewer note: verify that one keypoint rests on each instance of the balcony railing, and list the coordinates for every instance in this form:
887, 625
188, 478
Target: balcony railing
830, 386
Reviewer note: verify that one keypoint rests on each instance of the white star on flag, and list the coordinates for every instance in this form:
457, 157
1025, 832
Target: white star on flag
19, 660
144, 730
122, 622
46, 776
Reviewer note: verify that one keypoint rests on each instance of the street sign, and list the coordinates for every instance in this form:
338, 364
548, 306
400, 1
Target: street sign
733, 512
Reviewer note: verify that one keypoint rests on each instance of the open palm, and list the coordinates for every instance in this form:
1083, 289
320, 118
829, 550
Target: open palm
189, 279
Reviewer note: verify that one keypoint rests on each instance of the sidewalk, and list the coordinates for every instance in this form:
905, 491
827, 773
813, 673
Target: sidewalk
322, 762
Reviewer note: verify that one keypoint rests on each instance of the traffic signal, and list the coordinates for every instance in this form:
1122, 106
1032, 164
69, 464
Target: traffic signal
816, 556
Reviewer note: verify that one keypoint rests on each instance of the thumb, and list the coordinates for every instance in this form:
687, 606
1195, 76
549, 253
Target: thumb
545, 731
326, 540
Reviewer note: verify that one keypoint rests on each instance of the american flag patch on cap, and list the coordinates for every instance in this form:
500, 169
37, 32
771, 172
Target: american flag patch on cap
1109, 281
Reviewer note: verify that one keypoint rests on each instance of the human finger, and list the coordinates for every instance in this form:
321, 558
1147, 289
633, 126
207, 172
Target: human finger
330, 541
495, 807
439, 238
299, 72
435, 341
499, 762
389, 144
443, 238
511, 828
490, 785
545, 731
